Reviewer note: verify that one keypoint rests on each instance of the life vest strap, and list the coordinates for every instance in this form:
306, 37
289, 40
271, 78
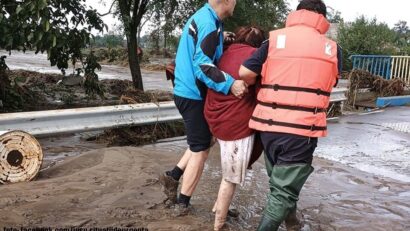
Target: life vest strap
295, 108
277, 87
291, 125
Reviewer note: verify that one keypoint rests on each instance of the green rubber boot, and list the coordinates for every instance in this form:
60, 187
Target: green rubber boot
268, 224
285, 183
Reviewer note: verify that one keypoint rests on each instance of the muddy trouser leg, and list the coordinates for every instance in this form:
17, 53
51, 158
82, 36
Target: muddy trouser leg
288, 164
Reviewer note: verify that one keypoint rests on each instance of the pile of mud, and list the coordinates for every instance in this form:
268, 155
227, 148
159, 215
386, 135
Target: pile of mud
141, 135
360, 79
334, 110
153, 67
133, 96
147, 134
387, 88
40, 91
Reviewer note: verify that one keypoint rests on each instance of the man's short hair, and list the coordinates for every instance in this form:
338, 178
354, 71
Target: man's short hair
313, 5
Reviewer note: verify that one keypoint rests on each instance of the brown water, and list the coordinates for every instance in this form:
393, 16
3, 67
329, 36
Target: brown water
29, 61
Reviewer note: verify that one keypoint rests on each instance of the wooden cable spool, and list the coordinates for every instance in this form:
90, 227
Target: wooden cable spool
20, 157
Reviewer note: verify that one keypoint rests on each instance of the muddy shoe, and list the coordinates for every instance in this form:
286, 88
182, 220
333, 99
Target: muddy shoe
169, 187
181, 210
233, 213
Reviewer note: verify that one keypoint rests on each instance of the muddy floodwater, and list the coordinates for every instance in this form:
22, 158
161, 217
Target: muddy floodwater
152, 80
360, 182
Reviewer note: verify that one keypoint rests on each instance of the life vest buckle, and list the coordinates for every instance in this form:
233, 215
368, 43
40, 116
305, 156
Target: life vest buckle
316, 110
276, 87
270, 122
274, 105
318, 91
313, 127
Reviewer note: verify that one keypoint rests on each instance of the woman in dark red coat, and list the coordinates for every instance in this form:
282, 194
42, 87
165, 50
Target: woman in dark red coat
228, 119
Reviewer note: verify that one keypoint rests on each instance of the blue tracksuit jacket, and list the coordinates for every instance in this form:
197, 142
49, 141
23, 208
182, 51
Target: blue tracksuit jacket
200, 48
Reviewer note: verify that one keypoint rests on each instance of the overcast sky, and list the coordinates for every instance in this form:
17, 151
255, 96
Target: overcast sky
390, 11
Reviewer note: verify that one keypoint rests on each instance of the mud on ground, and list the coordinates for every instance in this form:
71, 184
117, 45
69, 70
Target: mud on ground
379, 86
118, 187
42, 91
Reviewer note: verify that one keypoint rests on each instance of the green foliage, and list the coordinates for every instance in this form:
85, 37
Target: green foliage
334, 16
48, 26
367, 37
91, 84
4, 79
166, 15
130, 13
3, 65
110, 41
402, 37
267, 14
9, 96
59, 27
111, 55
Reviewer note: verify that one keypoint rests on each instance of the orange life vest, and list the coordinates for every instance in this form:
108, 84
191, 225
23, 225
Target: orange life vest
297, 78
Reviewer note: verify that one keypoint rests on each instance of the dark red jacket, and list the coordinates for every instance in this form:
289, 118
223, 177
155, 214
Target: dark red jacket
228, 116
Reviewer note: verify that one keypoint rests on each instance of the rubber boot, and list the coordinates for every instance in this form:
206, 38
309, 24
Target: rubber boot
225, 195
285, 183
268, 224
292, 221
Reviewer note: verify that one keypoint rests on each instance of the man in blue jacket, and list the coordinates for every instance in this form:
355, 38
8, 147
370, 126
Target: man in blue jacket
199, 50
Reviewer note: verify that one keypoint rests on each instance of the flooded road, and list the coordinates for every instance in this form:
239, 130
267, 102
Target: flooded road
118, 186
377, 143
30, 61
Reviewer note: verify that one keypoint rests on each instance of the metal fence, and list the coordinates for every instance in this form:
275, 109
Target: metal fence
43, 123
388, 67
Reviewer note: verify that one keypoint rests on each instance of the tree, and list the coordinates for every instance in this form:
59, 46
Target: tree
59, 27
171, 14
402, 37
48, 26
162, 17
110, 40
334, 16
167, 15
131, 13
401, 28
365, 37
266, 14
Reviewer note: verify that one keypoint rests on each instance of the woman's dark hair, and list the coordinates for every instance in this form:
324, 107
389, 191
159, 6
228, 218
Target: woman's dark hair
250, 35
313, 5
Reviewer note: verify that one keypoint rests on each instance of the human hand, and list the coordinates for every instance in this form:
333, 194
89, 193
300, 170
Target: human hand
239, 88
229, 37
